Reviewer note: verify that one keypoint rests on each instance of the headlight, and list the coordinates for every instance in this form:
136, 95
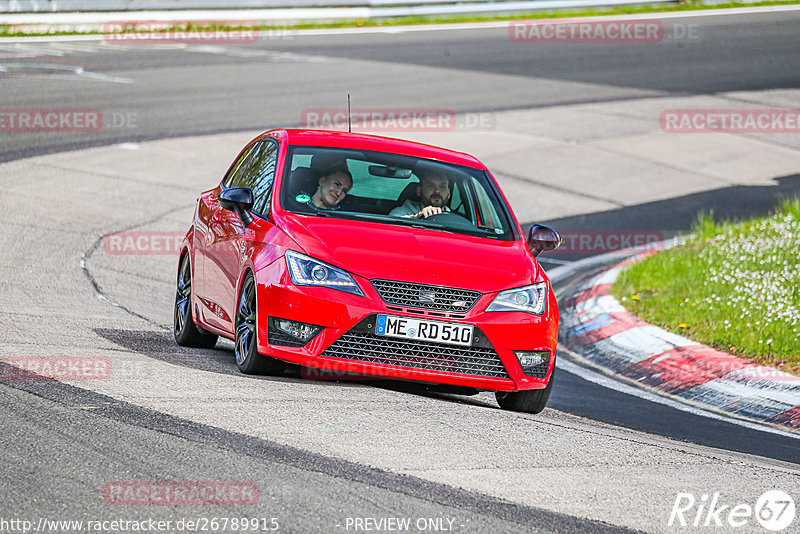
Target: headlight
530, 299
306, 271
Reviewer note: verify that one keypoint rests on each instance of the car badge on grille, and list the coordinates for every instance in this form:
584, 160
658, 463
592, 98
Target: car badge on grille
459, 304
428, 296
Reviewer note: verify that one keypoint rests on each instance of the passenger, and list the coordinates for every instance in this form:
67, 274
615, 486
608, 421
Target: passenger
433, 191
334, 184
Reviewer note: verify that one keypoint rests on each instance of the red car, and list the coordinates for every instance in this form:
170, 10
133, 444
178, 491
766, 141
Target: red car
316, 249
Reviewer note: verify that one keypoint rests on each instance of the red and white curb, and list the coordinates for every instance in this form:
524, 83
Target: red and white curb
597, 327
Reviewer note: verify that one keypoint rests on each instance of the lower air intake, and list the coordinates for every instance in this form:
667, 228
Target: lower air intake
368, 347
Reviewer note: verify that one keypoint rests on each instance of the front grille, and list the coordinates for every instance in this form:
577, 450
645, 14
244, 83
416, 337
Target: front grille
540, 371
426, 297
276, 337
368, 347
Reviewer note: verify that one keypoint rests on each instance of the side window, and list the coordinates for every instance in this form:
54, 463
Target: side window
232, 179
301, 160
260, 174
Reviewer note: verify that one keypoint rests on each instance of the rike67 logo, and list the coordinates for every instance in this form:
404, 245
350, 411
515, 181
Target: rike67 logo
774, 511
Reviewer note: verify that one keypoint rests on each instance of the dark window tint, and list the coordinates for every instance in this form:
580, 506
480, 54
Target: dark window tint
260, 174
233, 177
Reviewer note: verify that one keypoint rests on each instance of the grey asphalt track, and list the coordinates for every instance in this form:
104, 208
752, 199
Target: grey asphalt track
70, 431
195, 88
323, 452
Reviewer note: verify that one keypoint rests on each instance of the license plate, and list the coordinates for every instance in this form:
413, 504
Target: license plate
424, 330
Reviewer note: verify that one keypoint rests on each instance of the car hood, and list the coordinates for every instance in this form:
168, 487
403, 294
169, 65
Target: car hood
393, 252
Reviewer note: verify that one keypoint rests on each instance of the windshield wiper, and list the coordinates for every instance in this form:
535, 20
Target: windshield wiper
313, 210
421, 223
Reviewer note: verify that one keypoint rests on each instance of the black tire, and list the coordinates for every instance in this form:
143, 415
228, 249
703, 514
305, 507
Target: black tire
248, 360
530, 401
186, 332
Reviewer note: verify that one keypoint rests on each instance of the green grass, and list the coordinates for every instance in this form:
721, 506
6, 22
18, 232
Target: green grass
732, 286
684, 5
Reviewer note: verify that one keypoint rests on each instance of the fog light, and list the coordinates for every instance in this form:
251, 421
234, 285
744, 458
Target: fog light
301, 331
533, 362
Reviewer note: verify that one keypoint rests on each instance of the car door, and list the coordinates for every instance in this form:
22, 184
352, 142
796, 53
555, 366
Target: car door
211, 226
227, 244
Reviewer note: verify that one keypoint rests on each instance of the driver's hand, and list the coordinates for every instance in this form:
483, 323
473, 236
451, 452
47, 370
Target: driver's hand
427, 211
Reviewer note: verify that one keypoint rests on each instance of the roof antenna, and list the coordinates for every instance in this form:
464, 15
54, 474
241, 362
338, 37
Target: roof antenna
349, 126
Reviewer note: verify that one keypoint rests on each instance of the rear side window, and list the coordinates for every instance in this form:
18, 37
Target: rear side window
260, 174
235, 174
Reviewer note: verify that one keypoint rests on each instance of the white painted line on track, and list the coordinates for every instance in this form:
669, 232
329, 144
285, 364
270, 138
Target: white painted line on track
271, 34
269, 55
608, 382
80, 72
27, 51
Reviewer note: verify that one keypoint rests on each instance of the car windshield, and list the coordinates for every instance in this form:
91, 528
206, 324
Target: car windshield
391, 189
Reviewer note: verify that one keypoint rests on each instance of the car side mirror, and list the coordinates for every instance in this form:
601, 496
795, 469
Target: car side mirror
240, 201
542, 238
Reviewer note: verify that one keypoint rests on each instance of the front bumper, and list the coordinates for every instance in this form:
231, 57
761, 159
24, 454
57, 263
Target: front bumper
348, 343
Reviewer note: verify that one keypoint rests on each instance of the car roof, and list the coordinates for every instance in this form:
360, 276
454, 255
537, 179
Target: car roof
375, 143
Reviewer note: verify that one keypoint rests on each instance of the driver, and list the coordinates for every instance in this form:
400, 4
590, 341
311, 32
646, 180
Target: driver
433, 191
